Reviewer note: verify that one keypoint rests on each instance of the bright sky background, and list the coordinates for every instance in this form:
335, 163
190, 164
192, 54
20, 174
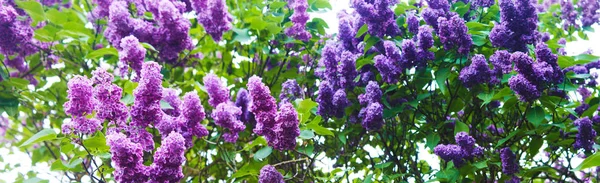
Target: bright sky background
330, 17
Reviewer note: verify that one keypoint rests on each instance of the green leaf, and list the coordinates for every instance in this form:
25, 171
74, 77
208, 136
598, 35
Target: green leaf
319, 129
165, 105
101, 52
460, 127
263, 153
307, 134
306, 105
368, 178
363, 29
589, 162
440, 78
535, 145
35, 180
277, 5
511, 135
383, 165
258, 141
536, 115
18, 82
33, 8
45, 134
370, 42
565, 61
96, 143
432, 140
486, 97
241, 35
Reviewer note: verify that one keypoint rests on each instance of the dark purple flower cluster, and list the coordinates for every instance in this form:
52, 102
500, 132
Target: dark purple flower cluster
372, 111
16, 40
389, 64
168, 32
412, 23
213, 15
510, 163
590, 14
286, 129
532, 76
378, 16
127, 159
348, 28
331, 102
478, 72
453, 34
464, 149
244, 102
268, 174
585, 139
290, 91
299, 19
132, 55
339, 65
437, 9
501, 61
517, 27
168, 160
483, 3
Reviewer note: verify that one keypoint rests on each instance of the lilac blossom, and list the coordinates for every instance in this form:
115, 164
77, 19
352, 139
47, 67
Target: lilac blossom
127, 158
286, 129
585, 138
217, 91
226, 115
168, 160
268, 174
299, 19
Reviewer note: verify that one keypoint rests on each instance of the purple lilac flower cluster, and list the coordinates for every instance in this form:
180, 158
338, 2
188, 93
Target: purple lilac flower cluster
378, 16
226, 114
338, 74
131, 55
299, 19
569, 14
590, 14
478, 72
268, 174
517, 27
213, 15
585, 139
127, 157
168, 32
81, 103
109, 106
185, 117
510, 164
280, 128
464, 149
372, 111
532, 76
290, 91
146, 107
389, 63
453, 34
168, 159
243, 101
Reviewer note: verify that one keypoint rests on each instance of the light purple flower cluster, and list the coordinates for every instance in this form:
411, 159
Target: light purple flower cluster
226, 115
517, 27
127, 159
168, 160
286, 128
16, 39
290, 91
378, 16
464, 149
453, 34
299, 19
213, 15
244, 102
170, 96
217, 92
569, 14
268, 174
146, 107
185, 117
81, 103
478, 72
132, 55
585, 139
372, 111
510, 164
483, 3
590, 14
